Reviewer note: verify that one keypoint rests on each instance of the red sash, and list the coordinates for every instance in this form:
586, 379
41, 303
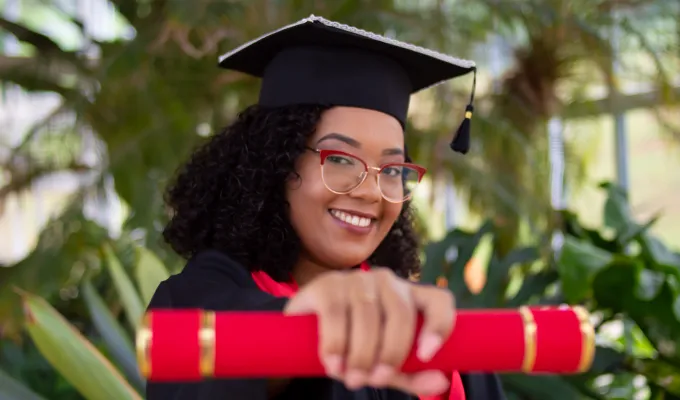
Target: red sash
268, 285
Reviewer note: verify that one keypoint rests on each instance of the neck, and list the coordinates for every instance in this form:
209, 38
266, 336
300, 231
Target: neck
306, 270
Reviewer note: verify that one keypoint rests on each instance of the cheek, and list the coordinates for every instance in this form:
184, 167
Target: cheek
308, 197
391, 214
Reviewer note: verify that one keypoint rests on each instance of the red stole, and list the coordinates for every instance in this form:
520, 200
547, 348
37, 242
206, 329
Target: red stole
268, 285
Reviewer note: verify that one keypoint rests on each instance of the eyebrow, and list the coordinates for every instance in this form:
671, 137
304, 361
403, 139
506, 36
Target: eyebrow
356, 144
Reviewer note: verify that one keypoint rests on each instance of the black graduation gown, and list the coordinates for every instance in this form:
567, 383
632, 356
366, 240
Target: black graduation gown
213, 281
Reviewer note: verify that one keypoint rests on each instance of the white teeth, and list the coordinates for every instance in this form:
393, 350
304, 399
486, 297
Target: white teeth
351, 219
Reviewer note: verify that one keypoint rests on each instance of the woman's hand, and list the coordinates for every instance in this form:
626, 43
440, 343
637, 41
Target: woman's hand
367, 321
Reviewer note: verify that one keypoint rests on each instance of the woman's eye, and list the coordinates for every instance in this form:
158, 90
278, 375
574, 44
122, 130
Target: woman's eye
336, 159
392, 171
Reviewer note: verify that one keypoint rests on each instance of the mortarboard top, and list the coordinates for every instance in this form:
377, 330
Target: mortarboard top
317, 61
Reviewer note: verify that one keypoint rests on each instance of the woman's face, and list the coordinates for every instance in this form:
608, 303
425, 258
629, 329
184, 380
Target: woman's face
324, 220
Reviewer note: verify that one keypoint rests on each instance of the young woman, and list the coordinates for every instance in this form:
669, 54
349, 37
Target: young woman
302, 205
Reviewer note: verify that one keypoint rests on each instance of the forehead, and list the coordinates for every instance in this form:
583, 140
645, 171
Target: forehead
373, 129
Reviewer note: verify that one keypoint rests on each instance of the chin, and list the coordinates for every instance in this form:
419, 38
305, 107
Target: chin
345, 260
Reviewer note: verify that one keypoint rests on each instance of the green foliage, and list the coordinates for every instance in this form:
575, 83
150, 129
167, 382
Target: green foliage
114, 336
83, 361
11, 389
622, 274
24, 363
72, 354
145, 98
132, 303
65, 252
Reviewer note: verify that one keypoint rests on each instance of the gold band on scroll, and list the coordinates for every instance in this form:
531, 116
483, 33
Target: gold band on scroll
142, 345
206, 337
587, 339
529, 339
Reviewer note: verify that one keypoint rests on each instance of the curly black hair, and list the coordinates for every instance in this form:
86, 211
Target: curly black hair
230, 196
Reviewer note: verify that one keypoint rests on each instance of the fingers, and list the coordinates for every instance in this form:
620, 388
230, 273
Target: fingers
329, 302
365, 328
399, 318
367, 325
438, 308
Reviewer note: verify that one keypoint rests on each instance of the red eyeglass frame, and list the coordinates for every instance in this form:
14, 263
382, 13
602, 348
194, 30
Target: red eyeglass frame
324, 153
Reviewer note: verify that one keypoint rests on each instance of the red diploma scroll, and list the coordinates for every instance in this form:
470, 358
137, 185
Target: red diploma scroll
190, 345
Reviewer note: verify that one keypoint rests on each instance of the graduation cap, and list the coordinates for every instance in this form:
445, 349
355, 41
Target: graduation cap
317, 61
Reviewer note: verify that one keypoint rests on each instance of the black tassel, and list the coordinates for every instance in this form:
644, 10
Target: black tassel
461, 143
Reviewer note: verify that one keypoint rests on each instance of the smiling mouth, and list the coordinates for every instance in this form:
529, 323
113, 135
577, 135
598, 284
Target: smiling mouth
354, 220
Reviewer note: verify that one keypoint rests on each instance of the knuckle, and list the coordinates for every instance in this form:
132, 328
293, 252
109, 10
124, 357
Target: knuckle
360, 359
383, 273
369, 311
332, 344
393, 357
397, 306
332, 340
332, 326
333, 309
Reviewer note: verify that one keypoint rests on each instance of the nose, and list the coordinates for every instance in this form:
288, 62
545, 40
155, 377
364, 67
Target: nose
368, 190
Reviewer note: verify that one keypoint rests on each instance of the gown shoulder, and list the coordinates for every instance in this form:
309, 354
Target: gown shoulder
212, 280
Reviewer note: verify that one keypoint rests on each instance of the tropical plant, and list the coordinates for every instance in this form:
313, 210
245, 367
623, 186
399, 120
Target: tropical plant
104, 366
560, 47
621, 273
142, 100
630, 278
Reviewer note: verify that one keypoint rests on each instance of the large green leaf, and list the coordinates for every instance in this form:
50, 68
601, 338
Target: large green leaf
607, 360
11, 389
578, 263
125, 288
616, 209
117, 340
655, 252
533, 285
76, 359
621, 288
150, 272
572, 227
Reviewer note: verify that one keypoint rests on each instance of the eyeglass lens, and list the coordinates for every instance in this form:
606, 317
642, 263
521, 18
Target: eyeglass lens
343, 173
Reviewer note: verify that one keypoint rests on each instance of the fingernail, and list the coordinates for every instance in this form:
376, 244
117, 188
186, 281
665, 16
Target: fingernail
354, 379
333, 365
428, 345
381, 375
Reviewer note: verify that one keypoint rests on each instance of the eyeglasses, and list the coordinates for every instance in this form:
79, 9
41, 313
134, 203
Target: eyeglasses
343, 172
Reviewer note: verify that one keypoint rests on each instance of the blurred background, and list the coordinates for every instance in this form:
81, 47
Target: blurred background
571, 193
